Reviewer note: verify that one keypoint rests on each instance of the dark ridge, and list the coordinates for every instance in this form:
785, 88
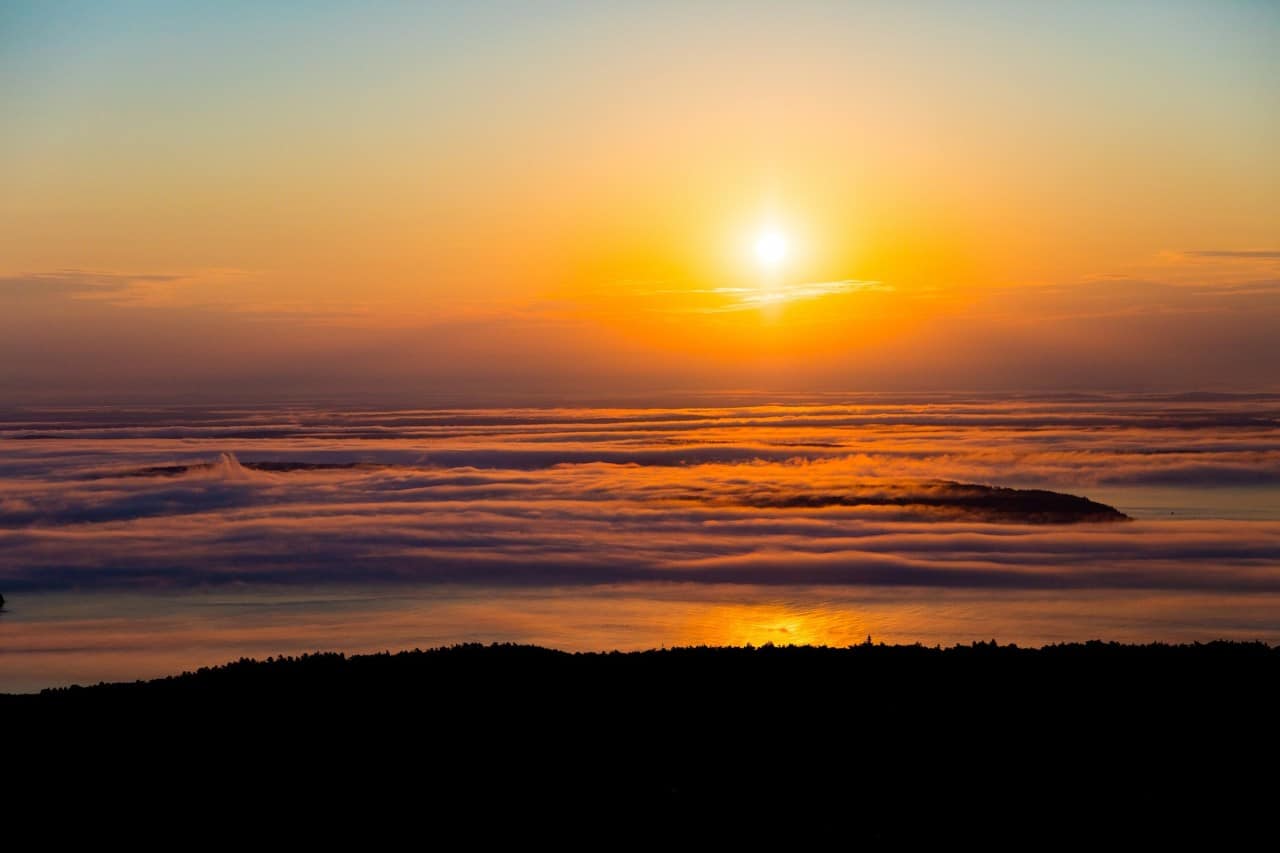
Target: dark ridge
277, 467
993, 503
158, 471
319, 669
285, 467
888, 745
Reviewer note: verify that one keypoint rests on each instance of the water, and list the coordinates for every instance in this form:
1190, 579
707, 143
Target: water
69, 637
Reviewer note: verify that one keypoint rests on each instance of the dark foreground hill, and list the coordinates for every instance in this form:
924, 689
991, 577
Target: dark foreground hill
891, 745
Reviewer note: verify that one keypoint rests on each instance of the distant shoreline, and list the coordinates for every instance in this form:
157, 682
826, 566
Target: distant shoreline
318, 666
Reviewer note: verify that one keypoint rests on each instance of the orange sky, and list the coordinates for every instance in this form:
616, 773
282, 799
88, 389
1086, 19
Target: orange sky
563, 199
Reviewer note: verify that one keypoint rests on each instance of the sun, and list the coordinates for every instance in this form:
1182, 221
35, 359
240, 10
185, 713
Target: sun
771, 248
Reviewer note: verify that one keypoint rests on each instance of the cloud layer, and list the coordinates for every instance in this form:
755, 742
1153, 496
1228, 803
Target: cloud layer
839, 493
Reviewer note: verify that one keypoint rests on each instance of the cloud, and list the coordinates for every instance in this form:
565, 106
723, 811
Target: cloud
732, 299
1269, 254
235, 291
199, 288
83, 283
843, 494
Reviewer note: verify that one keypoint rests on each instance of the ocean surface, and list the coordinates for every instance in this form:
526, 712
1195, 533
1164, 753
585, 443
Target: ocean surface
141, 541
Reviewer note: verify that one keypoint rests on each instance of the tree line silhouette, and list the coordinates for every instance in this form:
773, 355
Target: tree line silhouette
890, 743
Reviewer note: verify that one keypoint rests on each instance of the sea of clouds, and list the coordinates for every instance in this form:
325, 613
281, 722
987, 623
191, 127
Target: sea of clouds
719, 493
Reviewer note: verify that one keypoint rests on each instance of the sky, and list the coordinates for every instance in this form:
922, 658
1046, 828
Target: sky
560, 201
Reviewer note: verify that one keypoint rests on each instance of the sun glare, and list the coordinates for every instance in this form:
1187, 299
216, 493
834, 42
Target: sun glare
771, 249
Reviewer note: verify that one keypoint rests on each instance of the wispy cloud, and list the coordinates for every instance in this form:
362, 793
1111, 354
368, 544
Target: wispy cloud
234, 292
763, 297
128, 288
84, 283
732, 299
1266, 254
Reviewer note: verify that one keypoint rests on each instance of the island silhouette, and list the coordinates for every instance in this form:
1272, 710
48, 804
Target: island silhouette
925, 499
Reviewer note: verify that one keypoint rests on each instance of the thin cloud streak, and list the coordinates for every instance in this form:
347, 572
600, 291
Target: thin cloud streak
1235, 253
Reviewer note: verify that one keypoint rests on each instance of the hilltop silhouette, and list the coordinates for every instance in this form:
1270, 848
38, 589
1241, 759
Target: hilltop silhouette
893, 744
990, 503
